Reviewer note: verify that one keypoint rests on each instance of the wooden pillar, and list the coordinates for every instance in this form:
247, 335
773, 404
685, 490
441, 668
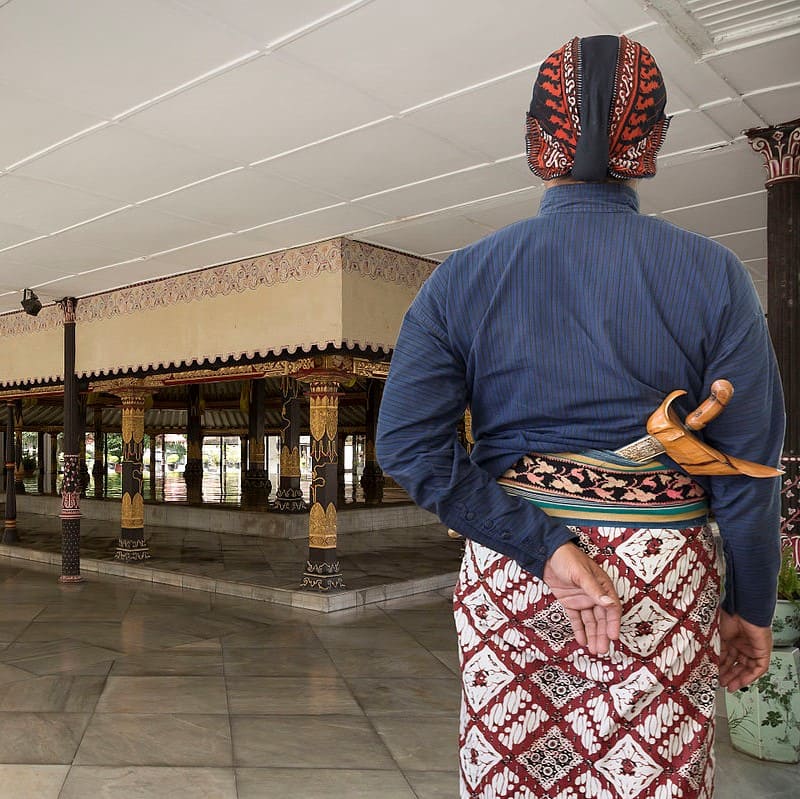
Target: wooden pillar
152, 467
323, 572
372, 480
193, 472
40, 462
84, 471
257, 486
10, 529
53, 463
132, 545
70, 485
780, 147
340, 445
99, 466
18, 474
289, 497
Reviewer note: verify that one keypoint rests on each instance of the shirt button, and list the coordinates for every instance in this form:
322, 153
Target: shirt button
505, 535
469, 515
488, 524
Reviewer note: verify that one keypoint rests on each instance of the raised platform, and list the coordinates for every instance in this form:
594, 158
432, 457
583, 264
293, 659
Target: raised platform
376, 564
238, 521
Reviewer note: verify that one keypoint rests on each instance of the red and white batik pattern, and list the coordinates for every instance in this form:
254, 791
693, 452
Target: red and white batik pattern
542, 717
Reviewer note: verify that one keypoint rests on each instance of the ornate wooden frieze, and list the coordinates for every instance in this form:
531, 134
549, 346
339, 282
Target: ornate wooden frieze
780, 147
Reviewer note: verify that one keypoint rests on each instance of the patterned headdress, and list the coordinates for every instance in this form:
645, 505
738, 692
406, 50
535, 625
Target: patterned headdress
597, 111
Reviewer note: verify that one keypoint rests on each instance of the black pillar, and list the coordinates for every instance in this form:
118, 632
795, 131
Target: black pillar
780, 146
323, 572
53, 463
40, 462
372, 481
99, 465
10, 530
84, 471
289, 497
18, 473
257, 486
193, 472
152, 467
70, 485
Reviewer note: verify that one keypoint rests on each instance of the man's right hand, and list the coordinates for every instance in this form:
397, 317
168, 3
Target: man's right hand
745, 651
588, 597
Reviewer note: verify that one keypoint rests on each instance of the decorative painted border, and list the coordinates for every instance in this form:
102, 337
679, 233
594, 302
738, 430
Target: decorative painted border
300, 263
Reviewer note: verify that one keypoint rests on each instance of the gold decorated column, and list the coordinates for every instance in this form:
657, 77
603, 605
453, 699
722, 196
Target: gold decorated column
132, 545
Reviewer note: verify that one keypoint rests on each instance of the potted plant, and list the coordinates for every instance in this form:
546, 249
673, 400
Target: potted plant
764, 719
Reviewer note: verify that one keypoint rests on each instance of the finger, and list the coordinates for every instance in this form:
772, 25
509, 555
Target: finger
577, 625
590, 625
601, 619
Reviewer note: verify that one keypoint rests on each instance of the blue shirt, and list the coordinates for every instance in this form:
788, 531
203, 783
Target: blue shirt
564, 332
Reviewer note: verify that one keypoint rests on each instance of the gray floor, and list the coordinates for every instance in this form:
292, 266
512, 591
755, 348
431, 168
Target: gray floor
116, 689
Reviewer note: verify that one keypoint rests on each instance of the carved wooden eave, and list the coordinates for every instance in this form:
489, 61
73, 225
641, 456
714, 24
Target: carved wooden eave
36, 392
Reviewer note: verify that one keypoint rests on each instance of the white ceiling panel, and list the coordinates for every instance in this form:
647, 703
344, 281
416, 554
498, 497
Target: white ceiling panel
20, 275
683, 181
727, 216
14, 234
316, 227
747, 245
391, 154
502, 211
396, 50
243, 199
262, 22
430, 235
622, 15
690, 130
779, 105
141, 231
757, 267
463, 187
125, 164
769, 64
490, 120
734, 117
47, 207
104, 56
30, 124
64, 254
260, 109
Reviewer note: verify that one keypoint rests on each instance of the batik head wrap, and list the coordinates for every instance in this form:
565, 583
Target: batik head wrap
597, 111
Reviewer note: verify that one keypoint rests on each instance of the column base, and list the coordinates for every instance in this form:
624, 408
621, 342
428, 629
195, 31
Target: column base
323, 577
71, 579
131, 550
10, 535
290, 500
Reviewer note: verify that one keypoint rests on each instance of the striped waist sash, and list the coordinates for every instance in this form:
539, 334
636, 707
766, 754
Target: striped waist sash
601, 487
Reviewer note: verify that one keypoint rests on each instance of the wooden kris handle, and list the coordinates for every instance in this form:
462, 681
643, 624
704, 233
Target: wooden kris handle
721, 393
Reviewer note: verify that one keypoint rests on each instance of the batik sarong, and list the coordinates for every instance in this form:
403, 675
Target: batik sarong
543, 717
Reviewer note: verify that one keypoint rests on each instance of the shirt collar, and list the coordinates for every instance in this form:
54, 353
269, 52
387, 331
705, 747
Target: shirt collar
608, 197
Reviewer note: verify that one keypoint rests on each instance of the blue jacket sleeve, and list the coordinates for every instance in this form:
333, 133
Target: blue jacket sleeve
747, 510
417, 443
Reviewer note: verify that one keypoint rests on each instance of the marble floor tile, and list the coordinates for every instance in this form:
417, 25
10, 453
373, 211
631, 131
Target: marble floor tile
281, 661
307, 742
392, 696
258, 783
420, 743
132, 739
103, 782
44, 738
177, 661
305, 696
32, 782
12, 674
53, 694
273, 637
72, 659
434, 784
388, 661
163, 695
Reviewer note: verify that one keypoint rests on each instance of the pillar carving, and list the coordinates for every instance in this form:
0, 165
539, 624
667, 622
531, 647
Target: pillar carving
289, 497
132, 545
372, 480
323, 572
71, 483
193, 472
18, 472
257, 485
10, 529
780, 147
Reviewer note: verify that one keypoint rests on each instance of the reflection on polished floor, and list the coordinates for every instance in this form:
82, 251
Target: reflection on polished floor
116, 690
